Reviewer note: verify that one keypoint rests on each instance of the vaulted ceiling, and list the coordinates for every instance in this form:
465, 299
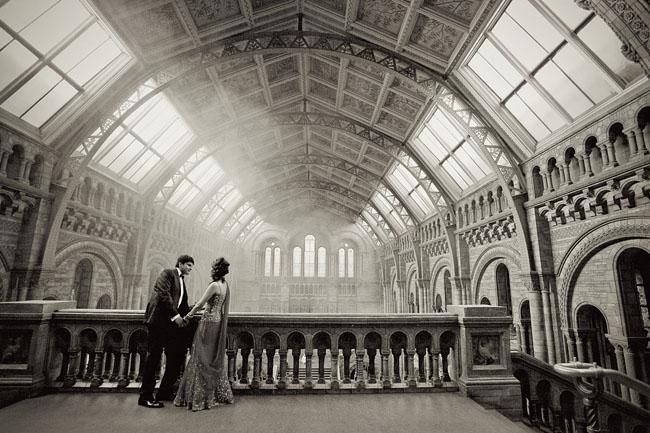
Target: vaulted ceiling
310, 164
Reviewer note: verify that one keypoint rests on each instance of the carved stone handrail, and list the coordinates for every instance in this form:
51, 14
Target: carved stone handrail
583, 370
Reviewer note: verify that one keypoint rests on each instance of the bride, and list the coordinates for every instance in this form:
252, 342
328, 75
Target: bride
205, 382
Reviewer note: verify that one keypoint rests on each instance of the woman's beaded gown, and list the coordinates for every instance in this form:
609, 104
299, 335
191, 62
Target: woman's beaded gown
205, 381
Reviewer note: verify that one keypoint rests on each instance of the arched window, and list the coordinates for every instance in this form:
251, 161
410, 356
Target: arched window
297, 261
276, 262
634, 282
350, 263
447, 285
485, 301
83, 276
267, 262
503, 287
104, 302
341, 263
310, 251
322, 262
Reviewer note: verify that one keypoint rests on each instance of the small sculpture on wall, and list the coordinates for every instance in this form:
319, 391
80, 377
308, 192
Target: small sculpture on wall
14, 347
485, 349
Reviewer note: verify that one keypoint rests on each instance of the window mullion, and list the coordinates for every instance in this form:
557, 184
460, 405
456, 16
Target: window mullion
577, 43
530, 79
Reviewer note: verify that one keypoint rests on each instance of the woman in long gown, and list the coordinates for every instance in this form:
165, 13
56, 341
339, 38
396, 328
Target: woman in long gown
205, 382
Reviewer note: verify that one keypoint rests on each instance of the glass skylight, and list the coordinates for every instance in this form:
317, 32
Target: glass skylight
410, 190
155, 132
221, 204
50, 50
443, 147
388, 212
538, 59
238, 221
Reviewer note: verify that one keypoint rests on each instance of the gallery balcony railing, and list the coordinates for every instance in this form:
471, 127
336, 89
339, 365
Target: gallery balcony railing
578, 397
47, 345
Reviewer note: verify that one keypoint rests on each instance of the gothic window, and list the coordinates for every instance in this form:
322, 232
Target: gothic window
82, 281
310, 242
322, 262
447, 285
503, 287
297, 261
276, 262
350, 263
267, 261
634, 279
341, 263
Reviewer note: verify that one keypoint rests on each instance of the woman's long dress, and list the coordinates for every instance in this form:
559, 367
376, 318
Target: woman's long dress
205, 381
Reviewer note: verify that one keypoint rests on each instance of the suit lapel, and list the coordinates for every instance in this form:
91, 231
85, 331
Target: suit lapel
177, 287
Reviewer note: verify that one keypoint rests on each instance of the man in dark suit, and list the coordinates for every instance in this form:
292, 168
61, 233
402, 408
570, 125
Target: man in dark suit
166, 331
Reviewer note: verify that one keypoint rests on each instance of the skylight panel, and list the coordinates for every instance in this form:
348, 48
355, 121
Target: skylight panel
146, 167
515, 39
448, 133
432, 143
172, 138
571, 15
205, 173
388, 211
128, 154
62, 33
532, 22
188, 198
140, 163
564, 90
526, 117
474, 162
457, 173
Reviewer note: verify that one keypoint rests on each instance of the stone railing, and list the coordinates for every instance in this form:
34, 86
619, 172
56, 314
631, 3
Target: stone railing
54, 347
555, 402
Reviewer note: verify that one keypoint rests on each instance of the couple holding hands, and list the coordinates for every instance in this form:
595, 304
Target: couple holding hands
204, 383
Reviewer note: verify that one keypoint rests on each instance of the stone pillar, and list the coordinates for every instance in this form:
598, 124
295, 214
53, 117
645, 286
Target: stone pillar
580, 347
620, 362
21, 170
545, 181
604, 154
257, 367
385, 374
361, 382
73, 364
282, 382
334, 360
611, 155
645, 139
518, 338
411, 367
631, 133
28, 167
587, 164
245, 352
537, 321
548, 326
570, 343
232, 373
295, 353
372, 375
123, 377
308, 380
97, 379
630, 367
566, 171
435, 367
270, 354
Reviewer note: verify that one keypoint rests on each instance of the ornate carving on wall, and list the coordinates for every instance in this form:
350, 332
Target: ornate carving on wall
493, 231
14, 203
83, 222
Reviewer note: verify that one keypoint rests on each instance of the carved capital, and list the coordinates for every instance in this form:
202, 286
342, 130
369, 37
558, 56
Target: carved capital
584, 4
630, 53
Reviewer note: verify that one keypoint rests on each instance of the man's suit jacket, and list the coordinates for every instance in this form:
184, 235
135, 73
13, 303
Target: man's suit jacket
163, 304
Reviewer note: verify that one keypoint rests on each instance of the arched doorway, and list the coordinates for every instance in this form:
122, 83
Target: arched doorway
83, 276
447, 283
104, 302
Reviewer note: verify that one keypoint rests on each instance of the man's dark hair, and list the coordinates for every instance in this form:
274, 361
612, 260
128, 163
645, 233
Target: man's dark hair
184, 259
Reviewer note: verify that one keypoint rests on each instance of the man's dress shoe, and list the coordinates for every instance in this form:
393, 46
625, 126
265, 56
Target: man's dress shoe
155, 404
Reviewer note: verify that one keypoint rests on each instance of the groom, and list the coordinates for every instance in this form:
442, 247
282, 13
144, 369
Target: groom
166, 330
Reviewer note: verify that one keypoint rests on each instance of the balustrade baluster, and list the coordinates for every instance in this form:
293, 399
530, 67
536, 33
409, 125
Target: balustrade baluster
123, 364
232, 373
73, 364
396, 364
244, 366
361, 383
116, 366
97, 379
257, 367
270, 354
422, 372
372, 355
334, 360
282, 381
308, 359
296, 366
65, 361
321, 365
132, 363
411, 367
385, 373
620, 362
108, 364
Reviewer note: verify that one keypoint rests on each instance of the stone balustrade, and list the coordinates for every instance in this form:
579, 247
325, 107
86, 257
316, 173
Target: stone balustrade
56, 347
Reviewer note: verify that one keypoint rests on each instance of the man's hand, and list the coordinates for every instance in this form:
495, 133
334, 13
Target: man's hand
180, 322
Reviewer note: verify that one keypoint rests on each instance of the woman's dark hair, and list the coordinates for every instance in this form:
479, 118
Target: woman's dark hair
219, 269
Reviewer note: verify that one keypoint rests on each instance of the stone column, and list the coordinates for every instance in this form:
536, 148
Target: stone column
611, 155
123, 377
435, 366
270, 354
245, 352
232, 374
645, 139
570, 342
411, 368
548, 326
282, 382
257, 367
631, 133
630, 367
321, 365
334, 360
518, 338
97, 379
296, 366
580, 347
73, 365
620, 362
308, 380
536, 318
361, 382
566, 171
587, 164
25, 174
385, 374
372, 375
604, 155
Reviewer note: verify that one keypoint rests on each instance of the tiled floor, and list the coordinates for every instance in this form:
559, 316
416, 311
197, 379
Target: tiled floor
395, 413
